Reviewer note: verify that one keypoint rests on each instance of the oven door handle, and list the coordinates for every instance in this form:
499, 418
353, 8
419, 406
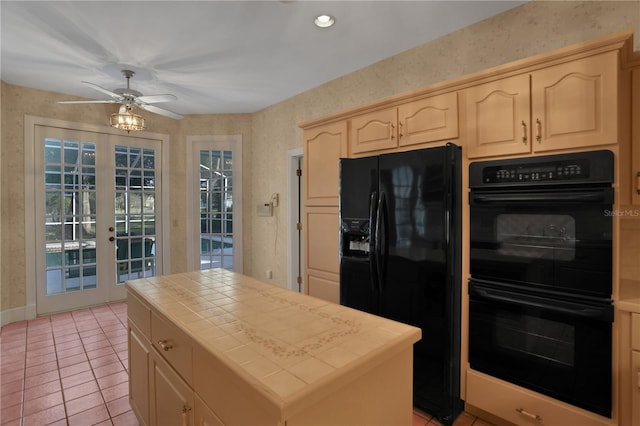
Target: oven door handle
563, 197
603, 313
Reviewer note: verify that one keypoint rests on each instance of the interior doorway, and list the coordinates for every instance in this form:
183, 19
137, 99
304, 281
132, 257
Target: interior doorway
295, 232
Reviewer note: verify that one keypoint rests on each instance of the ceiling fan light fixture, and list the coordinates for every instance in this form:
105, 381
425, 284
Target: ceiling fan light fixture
324, 21
125, 119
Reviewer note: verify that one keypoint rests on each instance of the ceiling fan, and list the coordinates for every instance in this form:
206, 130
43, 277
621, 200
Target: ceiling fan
130, 98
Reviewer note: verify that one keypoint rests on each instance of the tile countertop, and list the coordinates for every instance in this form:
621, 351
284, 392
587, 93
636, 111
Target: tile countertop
629, 299
284, 342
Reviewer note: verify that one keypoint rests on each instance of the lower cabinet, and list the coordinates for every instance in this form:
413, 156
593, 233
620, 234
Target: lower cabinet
158, 395
172, 399
635, 369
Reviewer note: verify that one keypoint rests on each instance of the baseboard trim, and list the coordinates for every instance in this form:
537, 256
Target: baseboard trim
17, 314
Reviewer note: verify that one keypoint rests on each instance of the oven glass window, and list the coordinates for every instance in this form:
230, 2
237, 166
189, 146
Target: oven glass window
537, 236
542, 339
564, 356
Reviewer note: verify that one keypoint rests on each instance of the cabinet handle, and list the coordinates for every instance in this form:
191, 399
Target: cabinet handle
524, 132
164, 345
528, 414
392, 128
538, 130
399, 129
185, 419
638, 183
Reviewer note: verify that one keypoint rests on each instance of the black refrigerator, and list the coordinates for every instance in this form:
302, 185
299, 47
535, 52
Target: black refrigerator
400, 258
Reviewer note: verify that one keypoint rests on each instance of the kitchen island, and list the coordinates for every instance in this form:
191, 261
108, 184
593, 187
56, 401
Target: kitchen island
216, 347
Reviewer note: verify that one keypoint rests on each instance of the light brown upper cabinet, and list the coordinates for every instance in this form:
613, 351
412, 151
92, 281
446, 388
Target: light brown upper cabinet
428, 120
417, 122
323, 147
635, 137
498, 115
575, 104
565, 106
374, 131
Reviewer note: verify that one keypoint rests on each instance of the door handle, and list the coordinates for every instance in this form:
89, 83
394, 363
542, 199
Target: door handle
112, 239
111, 229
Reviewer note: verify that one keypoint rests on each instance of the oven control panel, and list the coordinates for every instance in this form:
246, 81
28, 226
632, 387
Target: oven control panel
537, 172
589, 167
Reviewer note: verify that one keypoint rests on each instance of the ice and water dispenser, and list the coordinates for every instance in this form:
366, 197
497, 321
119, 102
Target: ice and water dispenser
355, 238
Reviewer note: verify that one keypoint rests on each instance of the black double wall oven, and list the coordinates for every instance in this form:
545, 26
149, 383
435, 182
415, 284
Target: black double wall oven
540, 307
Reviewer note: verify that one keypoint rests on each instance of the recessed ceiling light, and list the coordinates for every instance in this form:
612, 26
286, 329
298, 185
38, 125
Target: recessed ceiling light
324, 21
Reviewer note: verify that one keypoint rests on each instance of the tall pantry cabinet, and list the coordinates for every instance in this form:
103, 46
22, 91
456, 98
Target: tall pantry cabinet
323, 147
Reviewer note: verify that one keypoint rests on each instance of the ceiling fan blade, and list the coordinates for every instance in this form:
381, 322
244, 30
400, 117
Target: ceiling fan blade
114, 95
156, 99
159, 111
110, 101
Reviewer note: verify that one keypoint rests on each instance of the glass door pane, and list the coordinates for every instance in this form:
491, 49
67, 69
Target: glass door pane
135, 212
216, 209
70, 215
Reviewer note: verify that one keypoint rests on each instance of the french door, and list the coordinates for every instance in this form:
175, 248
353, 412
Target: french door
97, 206
215, 202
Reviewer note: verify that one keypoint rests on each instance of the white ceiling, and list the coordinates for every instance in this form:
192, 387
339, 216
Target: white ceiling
215, 56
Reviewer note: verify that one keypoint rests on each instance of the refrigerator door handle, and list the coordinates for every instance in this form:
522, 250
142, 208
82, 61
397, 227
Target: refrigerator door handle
382, 240
373, 273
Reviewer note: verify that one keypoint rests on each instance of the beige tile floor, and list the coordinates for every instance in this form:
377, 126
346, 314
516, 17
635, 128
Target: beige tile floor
71, 369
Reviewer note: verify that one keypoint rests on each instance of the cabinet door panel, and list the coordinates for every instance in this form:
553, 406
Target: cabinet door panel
374, 131
323, 288
576, 103
428, 120
171, 398
322, 239
498, 117
323, 148
635, 138
139, 375
635, 388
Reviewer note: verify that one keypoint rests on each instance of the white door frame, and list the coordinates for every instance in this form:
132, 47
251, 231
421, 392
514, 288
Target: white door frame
294, 248
30, 144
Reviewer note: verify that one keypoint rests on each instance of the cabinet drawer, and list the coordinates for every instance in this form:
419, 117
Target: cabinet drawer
635, 332
520, 406
173, 345
139, 314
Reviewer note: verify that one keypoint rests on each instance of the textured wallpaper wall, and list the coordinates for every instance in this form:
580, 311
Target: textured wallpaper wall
536, 27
